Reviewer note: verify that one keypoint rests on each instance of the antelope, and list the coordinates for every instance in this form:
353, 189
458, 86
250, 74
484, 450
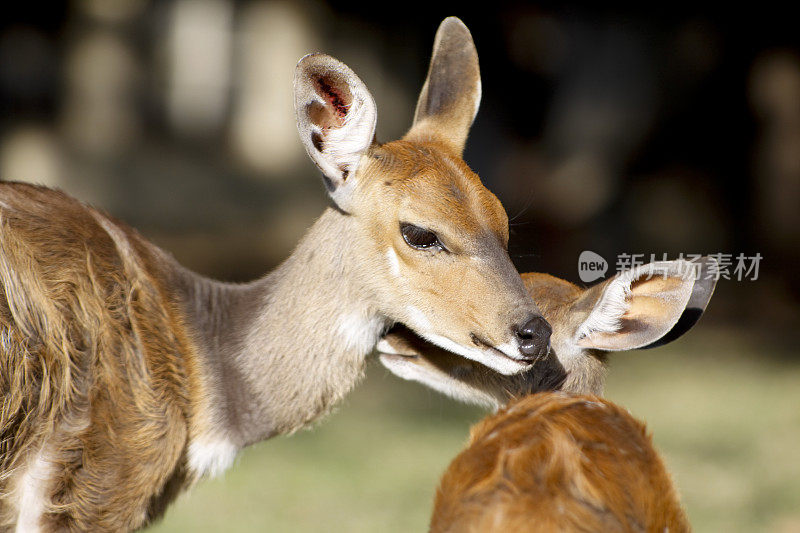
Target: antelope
556, 461
644, 307
126, 377
558, 457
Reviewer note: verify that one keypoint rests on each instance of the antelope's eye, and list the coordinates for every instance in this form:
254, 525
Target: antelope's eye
419, 238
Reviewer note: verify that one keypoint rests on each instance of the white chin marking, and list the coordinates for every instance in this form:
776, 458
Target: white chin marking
400, 368
504, 365
497, 362
509, 348
410, 370
211, 456
385, 346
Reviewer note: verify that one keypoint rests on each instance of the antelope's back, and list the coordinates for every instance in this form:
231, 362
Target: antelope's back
558, 462
95, 363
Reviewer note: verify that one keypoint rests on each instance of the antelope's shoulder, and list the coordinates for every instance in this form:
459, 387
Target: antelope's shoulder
67, 269
57, 244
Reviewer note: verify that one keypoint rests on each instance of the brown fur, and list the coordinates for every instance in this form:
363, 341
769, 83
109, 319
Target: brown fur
96, 365
558, 462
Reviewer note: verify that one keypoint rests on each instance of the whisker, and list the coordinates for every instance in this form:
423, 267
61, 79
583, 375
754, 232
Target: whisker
528, 202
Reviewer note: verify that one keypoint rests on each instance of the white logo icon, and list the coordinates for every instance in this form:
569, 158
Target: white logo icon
591, 266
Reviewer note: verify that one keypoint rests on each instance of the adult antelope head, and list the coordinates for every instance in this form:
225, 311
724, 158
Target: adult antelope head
430, 239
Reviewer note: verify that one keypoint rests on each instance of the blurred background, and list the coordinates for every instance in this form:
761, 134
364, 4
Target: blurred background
646, 131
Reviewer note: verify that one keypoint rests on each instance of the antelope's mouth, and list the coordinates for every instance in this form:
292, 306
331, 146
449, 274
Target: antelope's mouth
385, 348
410, 346
399, 357
494, 350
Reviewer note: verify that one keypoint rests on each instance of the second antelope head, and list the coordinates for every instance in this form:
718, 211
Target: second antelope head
432, 240
645, 307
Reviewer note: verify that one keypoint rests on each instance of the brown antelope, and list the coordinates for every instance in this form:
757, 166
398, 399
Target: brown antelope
555, 461
126, 377
558, 461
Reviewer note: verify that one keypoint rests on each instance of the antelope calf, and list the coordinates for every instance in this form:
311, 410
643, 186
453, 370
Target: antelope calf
645, 307
554, 461
559, 461
126, 377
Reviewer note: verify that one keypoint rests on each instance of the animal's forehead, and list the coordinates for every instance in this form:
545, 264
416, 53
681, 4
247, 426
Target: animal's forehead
407, 162
432, 181
554, 296
554, 291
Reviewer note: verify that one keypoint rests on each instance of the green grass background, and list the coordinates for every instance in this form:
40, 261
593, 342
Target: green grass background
725, 412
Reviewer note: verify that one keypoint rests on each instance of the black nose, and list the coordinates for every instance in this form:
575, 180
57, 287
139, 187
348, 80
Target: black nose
534, 338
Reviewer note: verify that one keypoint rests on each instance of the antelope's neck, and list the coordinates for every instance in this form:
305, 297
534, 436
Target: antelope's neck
281, 351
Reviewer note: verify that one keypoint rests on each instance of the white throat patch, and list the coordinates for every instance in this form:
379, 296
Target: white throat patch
211, 456
360, 333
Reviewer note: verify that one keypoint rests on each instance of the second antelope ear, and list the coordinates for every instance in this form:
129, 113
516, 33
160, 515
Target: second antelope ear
451, 94
336, 117
636, 308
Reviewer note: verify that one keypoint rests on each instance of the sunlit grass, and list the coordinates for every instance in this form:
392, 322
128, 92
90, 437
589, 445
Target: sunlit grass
725, 413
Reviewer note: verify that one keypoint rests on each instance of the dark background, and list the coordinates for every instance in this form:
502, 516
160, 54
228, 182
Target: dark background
615, 130
652, 131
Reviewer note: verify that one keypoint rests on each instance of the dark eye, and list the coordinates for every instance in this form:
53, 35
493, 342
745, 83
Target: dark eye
419, 238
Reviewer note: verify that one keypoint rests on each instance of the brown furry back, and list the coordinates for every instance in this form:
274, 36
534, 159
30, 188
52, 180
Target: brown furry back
84, 328
558, 462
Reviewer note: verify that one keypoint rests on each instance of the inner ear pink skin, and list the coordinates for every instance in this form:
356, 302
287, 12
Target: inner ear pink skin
338, 100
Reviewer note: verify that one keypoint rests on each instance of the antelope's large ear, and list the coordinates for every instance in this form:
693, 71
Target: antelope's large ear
336, 118
451, 94
642, 307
